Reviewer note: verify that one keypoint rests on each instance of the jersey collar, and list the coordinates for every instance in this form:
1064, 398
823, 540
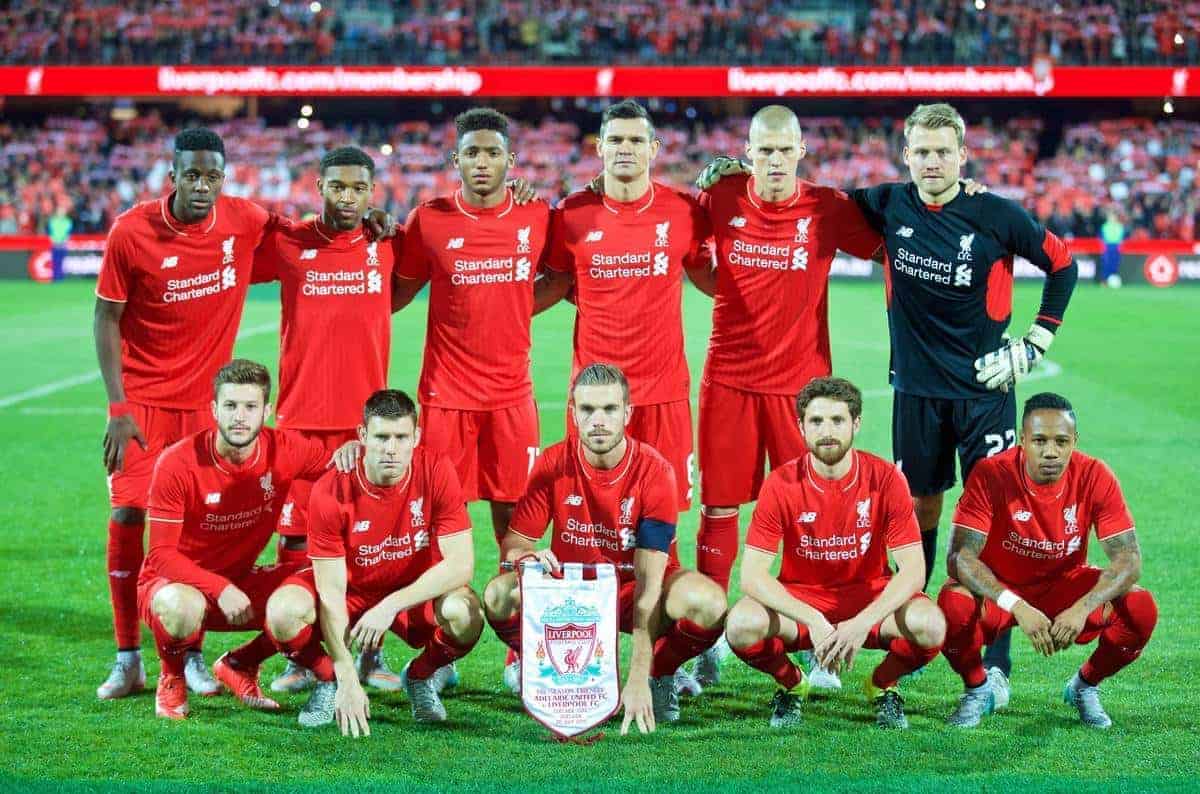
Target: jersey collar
197, 229
844, 484
475, 213
1051, 491
638, 205
606, 477
333, 237
774, 206
226, 466
381, 491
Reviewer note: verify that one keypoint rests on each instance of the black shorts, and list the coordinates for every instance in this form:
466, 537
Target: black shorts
926, 432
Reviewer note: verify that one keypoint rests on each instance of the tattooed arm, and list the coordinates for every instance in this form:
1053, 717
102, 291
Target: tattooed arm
1123, 571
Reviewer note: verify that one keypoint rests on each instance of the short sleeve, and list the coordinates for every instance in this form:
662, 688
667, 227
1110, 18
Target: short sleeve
974, 510
326, 520
700, 252
534, 509
413, 260
558, 251
872, 203
267, 258
1111, 513
854, 234
900, 519
768, 522
258, 221
169, 488
449, 515
116, 267
660, 495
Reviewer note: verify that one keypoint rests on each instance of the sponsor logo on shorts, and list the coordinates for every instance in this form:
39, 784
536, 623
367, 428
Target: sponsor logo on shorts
574, 500
169, 262
213, 499
454, 242
361, 526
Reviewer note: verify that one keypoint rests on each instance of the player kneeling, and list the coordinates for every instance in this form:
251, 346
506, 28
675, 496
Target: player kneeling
1019, 556
838, 512
613, 499
391, 548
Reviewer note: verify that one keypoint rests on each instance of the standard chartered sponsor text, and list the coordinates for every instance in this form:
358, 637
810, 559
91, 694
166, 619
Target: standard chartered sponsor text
923, 267
199, 286
337, 80
761, 255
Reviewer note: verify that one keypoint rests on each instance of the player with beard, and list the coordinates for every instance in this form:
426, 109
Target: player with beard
612, 499
212, 506
839, 513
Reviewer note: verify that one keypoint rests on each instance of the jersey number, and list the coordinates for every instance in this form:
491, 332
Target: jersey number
998, 443
533, 453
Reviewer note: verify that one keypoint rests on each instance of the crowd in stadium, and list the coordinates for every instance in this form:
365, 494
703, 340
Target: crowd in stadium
587, 31
1143, 169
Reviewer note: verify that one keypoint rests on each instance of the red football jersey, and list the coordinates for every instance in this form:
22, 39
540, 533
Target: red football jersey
1036, 533
209, 518
628, 259
481, 265
388, 536
183, 287
596, 512
835, 533
770, 329
337, 321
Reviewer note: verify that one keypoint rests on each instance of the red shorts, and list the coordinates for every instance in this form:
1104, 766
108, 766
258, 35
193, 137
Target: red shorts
1050, 598
258, 584
493, 451
668, 428
838, 604
739, 430
161, 427
626, 592
293, 515
415, 625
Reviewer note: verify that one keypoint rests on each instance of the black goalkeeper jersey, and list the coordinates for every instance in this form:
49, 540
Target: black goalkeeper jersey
948, 275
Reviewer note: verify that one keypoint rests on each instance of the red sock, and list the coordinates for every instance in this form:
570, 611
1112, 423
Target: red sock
305, 650
769, 656
124, 559
902, 658
717, 547
297, 558
439, 651
171, 651
684, 640
253, 653
1129, 628
963, 648
509, 632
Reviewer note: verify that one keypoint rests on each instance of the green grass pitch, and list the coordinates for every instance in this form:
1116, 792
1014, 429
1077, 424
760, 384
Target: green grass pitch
1128, 360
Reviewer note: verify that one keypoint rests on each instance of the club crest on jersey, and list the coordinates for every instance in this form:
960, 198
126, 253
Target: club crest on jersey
626, 511
373, 254
213, 498
594, 236
361, 526
574, 500
421, 540
227, 251
661, 232
285, 514
169, 262
416, 509
267, 487
454, 242
863, 509
737, 222
523, 240
308, 253
964, 247
1070, 516
864, 543
905, 232
802, 229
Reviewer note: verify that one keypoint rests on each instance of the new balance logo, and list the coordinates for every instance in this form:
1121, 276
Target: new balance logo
904, 231
361, 526
737, 222
454, 242
806, 518
308, 253
523, 240
212, 499
660, 234
574, 500
594, 236
1022, 515
227, 251
169, 262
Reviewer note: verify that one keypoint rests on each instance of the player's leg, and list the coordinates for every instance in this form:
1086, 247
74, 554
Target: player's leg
987, 427
446, 630
293, 625
970, 622
175, 613
761, 638
913, 637
292, 549
508, 441
923, 444
502, 609
694, 609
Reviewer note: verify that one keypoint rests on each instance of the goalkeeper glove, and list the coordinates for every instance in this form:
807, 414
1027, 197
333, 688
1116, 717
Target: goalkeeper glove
720, 166
1013, 362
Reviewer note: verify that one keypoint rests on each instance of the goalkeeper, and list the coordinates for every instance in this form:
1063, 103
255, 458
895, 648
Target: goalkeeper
949, 277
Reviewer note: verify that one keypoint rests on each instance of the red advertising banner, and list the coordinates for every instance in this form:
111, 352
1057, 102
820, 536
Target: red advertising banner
1043, 80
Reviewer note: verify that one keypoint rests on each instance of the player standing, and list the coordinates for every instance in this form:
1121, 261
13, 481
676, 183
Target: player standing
479, 249
391, 548
948, 274
336, 292
212, 509
613, 499
168, 302
839, 513
1019, 557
